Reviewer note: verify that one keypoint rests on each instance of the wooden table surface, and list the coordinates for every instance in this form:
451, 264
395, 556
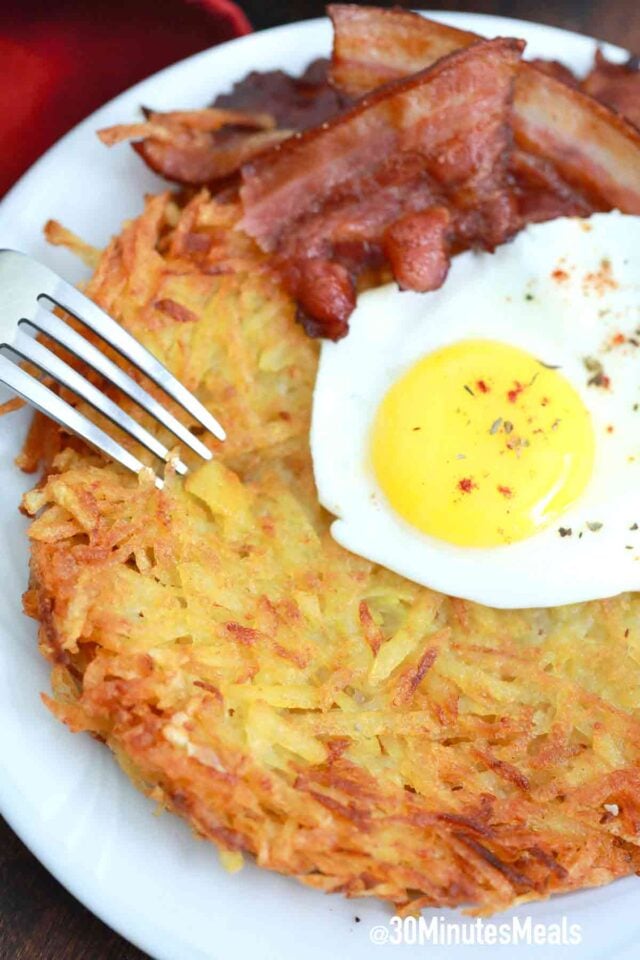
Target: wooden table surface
39, 920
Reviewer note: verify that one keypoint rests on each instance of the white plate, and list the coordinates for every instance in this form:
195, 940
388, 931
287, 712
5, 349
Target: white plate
64, 795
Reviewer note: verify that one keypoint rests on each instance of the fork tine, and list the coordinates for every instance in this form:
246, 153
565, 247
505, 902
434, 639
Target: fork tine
63, 413
30, 349
105, 326
65, 335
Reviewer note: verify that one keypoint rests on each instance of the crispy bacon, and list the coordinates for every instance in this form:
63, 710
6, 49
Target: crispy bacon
417, 247
595, 153
296, 103
617, 85
421, 167
166, 126
205, 163
556, 69
593, 149
438, 139
207, 147
540, 191
196, 147
372, 46
326, 296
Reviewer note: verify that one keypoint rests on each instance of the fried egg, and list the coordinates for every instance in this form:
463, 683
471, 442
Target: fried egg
484, 439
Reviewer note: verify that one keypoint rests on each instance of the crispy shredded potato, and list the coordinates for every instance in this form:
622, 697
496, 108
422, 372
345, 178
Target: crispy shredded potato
59, 236
294, 702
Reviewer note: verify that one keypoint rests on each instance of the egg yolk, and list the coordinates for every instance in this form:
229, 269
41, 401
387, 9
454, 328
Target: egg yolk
482, 444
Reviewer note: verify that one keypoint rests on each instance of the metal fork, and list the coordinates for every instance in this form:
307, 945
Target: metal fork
26, 286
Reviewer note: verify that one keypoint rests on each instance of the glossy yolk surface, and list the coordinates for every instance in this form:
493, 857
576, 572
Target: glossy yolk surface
481, 444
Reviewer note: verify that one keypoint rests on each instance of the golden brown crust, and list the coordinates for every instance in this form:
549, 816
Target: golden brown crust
294, 702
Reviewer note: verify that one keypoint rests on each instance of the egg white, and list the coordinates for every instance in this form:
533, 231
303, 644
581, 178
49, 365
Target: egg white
510, 296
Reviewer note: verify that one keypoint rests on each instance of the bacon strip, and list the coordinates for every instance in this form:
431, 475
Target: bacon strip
196, 147
165, 126
207, 147
592, 149
296, 103
451, 117
436, 141
205, 162
556, 69
372, 46
617, 85
541, 192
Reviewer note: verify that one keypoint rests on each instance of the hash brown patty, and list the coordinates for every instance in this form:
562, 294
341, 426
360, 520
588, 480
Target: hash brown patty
293, 702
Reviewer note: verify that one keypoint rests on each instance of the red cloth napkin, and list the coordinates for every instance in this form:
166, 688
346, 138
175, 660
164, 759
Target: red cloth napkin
61, 59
